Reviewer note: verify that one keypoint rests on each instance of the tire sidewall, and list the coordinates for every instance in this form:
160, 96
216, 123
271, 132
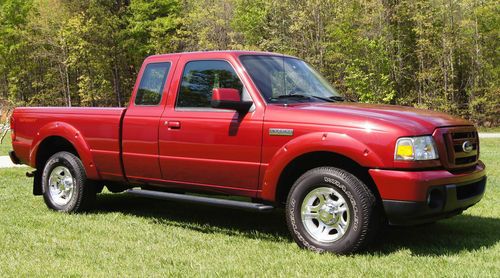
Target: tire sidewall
310, 181
69, 161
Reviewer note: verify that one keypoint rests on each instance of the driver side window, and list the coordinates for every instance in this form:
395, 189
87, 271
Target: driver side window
200, 78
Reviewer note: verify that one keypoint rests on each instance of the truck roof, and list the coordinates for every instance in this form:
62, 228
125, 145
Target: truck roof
231, 52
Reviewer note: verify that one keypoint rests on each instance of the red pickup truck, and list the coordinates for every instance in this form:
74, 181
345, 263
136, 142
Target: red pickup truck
264, 126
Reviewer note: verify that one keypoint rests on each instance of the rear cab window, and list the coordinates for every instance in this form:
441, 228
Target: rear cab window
153, 80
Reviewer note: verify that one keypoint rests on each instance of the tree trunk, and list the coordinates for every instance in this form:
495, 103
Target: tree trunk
116, 84
68, 88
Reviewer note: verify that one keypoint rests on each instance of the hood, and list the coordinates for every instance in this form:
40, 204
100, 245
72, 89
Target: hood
412, 120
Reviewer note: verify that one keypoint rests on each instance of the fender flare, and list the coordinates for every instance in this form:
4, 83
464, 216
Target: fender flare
337, 143
73, 136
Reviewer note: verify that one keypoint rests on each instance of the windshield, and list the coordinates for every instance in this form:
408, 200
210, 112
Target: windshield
284, 79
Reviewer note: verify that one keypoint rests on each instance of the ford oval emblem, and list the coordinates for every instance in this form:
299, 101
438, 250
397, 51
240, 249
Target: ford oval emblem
467, 146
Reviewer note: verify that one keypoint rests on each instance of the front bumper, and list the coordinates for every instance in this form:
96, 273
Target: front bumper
413, 197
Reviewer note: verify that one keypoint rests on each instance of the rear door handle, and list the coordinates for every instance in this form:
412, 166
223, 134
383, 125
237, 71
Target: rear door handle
173, 124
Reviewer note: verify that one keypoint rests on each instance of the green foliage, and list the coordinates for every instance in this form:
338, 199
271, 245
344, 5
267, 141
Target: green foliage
249, 20
151, 27
435, 54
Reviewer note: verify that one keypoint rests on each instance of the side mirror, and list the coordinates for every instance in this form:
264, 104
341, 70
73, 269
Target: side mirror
228, 98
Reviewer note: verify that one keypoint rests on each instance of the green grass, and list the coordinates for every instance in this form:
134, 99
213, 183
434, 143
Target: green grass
489, 129
6, 145
129, 236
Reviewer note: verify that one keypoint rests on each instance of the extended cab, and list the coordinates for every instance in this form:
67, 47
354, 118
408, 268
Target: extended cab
264, 126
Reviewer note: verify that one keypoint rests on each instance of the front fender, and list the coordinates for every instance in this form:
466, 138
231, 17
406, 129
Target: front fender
338, 143
71, 134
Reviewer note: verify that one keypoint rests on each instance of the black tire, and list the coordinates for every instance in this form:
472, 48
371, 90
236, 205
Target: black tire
364, 214
83, 193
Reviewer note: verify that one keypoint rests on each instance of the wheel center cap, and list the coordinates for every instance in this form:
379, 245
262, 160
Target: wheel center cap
327, 214
60, 186
67, 182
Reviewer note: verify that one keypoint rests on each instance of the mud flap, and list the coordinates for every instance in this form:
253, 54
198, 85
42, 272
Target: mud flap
37, 182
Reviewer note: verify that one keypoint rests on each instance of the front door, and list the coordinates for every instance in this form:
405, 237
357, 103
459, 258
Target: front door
203, 146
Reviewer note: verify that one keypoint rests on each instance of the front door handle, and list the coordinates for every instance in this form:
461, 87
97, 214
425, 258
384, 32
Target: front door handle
173, 124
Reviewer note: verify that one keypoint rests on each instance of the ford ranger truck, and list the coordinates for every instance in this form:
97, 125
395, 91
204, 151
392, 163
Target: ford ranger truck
264, 126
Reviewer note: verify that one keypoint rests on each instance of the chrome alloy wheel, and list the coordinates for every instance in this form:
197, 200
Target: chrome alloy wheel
325, 214
61, 185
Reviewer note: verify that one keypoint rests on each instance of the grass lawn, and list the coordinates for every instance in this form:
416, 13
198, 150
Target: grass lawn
6, 145
129, 236
489, 129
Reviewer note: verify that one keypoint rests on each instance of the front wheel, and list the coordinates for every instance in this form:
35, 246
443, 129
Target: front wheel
65, 185
329, 209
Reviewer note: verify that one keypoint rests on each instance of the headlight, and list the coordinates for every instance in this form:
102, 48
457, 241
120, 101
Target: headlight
416, 148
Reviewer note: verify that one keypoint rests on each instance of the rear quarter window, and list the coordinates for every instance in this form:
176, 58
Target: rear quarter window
152, 82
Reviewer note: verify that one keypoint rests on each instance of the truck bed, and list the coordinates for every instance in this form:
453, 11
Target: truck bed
98, 127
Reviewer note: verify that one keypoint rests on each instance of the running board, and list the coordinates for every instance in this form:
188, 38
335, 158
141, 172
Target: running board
201, 200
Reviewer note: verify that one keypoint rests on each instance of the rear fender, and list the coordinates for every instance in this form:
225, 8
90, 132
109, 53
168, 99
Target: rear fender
73, 136
337, 143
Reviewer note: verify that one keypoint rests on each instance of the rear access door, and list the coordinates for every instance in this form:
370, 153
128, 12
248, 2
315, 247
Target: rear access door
141, 122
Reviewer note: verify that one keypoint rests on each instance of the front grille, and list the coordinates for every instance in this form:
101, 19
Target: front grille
454, 139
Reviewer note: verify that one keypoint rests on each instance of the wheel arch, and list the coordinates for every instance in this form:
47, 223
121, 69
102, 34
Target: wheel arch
317, 150
58, 136
308, 161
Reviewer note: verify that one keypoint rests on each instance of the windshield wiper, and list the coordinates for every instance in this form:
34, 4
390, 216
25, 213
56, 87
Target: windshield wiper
337, 98
341, 98
292, 96
299, 96
328, 99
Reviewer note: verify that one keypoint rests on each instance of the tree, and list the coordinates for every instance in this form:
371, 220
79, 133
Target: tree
435, 54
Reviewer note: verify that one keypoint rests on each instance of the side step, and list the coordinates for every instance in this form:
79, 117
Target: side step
201, 200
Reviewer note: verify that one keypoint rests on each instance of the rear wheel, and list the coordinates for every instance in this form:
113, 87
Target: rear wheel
329, 209
65, 185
